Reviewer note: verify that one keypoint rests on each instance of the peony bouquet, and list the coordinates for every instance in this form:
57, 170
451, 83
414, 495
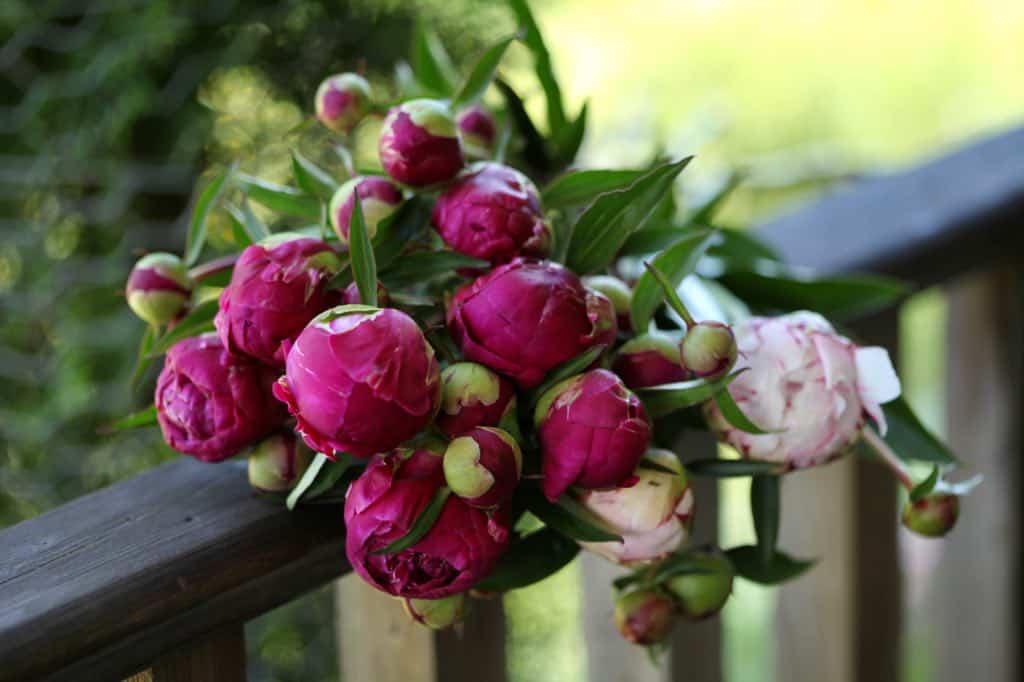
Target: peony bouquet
486, 355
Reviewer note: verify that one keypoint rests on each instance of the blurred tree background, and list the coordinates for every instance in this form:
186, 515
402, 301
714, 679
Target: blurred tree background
111, 110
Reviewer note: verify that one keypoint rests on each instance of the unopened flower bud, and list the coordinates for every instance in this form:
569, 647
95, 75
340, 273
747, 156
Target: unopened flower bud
437, 614
342, 100
618, 292
645, 616
158, 288
708, 350
351, 295
933, 515
700, 595
378, 197
277, 463
419, 144
472, 395
483, 467
649, 360
478, 131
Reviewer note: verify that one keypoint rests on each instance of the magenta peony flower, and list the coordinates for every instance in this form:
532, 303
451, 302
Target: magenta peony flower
277, 287
278, 462
483, 467
360, 380
808, 385
478, 131
379, 198
653, 516
158, 288
211, 403
342, 100
649, 360
526, 317
618, 292
419, 144
461, 548
472, 396
708, 351
492, 213
593, 432
351, 295
645, 616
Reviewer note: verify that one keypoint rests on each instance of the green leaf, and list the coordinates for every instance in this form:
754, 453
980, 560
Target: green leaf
312, 179
607, 223
651, 240
568, 140
667, 398
734, 415
715, 467
530, 560
399, 229
567, 516
747, 561
247, 228
678, 564
740, 250
475, 85
764, 507
430, 62
142, 358
198, 321
704, 213
208, 198
569, 368
843, 297
364, 266
321, 481
424, 522
535, 149
580, 187
922, 489
422, 266
675, 263
542, 65
136, 420
910, 439
280, 198
307, 480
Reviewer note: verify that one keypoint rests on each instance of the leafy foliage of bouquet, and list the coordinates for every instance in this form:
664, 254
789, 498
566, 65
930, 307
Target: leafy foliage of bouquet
489, 376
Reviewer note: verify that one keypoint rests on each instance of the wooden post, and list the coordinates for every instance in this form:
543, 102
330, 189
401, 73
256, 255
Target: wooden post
974, 601
476, 650
217, 656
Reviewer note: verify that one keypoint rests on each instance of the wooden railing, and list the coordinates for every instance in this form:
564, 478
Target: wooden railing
154, 578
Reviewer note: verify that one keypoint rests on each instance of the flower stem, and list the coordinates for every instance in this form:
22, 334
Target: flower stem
217, 265
670, 295
887, 455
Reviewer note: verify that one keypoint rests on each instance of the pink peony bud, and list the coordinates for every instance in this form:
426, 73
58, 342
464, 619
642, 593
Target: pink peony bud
472, 396
653, 516
211, 403
483, 467
478, 131
351, 295
342, 100
378, 197
645, 616
526, 317
708, 350
419, 144
493, 213
158, 288
360, 380
277, 287
618, 292
649, 360
277, 463
701, 595
461, 547
593, 432
933, 515
437, 614
808, 385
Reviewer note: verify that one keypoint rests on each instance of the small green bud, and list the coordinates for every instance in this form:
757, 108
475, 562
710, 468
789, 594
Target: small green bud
644, 616
437, 614
158, 288
700, 595
708, 350
933, 515
277, 463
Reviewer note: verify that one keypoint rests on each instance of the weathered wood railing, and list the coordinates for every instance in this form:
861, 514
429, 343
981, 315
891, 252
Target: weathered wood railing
154, 578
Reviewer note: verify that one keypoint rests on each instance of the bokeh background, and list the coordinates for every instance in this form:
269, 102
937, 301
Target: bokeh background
112, 110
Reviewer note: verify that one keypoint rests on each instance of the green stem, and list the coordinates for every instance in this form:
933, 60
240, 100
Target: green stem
886, 454
670, 295
211, 268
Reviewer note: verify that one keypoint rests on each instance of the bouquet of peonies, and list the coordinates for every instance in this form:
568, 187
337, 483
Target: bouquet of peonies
489, 376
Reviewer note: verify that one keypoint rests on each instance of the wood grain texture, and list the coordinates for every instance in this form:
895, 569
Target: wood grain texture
476, 650
217, 656
101, 587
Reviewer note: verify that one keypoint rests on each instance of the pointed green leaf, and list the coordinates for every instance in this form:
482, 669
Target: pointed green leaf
782, 567
280, 198
238, 233
715, 467
569, 139
422, 266
576, 188
764, 507
424, 522
430, 62
312, 179
923, 488
651, 240
136, 420
325, 476
667, 398
364, 266
307, 480
535, 149
607, 223
740, 250
401, 228
542, 64
198, 321
567, 516
675, 263
704, 213
530, 560
142, 358
734, 415
207, 200
244, 220
475, 85
910, 439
